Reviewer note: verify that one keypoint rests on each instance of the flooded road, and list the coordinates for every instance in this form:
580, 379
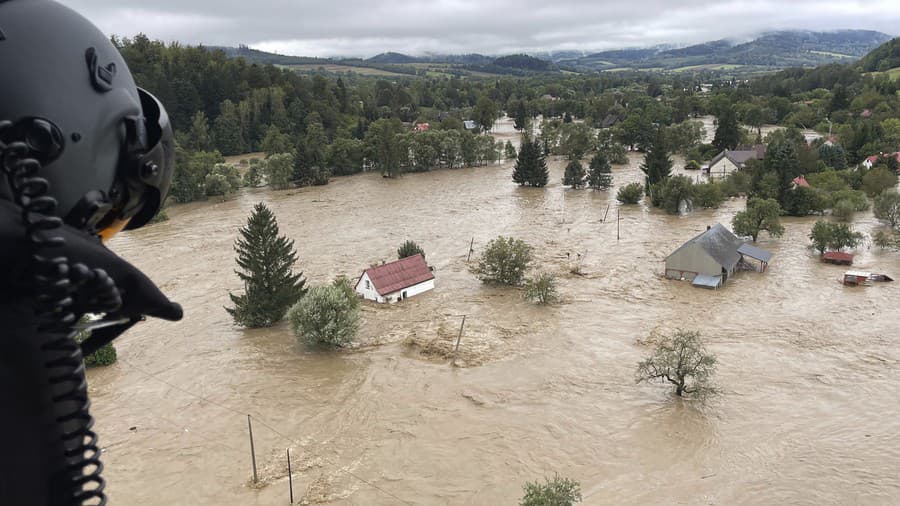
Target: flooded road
809, 369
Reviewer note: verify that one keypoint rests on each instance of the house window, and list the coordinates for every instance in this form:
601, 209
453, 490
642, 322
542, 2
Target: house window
367, 284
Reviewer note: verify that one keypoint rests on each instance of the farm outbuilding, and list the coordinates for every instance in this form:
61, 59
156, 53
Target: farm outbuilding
396, 281
714, 253
754, 258
837, 257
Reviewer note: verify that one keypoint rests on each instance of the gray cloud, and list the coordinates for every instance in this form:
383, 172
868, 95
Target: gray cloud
365, 28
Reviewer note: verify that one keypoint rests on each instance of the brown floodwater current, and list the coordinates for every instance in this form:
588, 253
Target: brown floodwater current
809, 370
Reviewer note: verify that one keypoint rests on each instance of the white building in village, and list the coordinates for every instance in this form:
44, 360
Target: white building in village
396, 281
729, 161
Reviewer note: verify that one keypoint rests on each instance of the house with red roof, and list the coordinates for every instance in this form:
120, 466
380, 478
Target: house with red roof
799, 181
872, 160
396, 281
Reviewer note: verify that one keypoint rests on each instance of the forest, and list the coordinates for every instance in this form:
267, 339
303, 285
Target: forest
330, 125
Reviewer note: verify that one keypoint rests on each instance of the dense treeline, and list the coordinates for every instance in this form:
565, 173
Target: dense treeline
339, 125
332, 125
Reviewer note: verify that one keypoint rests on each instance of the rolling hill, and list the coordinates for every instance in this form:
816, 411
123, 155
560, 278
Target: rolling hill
770, 51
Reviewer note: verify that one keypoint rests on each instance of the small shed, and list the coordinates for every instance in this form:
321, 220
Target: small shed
712, 253
837, 258
396, 281
754, 258
470, 124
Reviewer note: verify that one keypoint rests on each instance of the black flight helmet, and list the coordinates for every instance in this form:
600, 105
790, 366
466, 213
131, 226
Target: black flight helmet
106, 146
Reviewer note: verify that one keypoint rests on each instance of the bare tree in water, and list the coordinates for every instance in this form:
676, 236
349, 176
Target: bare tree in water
682, 360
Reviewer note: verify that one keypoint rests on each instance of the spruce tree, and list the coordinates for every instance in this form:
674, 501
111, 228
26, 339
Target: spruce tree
265, 260
657, 164
574, 175
531, 166
728, 133
599, 173
520, 115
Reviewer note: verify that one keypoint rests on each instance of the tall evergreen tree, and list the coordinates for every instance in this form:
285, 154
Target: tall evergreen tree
728, 133
520, 115
574, 175
657, 164
265, 260
198, 138
227, 130
531, 166
599, 173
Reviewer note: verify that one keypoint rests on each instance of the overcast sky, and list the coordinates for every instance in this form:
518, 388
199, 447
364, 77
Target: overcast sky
368, 27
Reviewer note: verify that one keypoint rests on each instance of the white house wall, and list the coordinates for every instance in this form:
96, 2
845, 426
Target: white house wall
411, 291
722, 168
371, 294
367, 293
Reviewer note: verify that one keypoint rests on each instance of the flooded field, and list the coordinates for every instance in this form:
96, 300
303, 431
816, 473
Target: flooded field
809, 369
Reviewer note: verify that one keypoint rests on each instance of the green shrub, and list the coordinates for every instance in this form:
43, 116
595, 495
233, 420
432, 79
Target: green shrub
408, 249
542, 289
877, 180
843, 210
671, 192
735, 184
327, 315
553, 492
856, 199
504, 261
709, 195
630, 193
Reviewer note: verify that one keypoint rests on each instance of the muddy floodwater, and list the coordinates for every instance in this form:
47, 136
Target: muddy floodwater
809, 370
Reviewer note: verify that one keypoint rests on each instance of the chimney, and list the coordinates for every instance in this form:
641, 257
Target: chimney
708, 227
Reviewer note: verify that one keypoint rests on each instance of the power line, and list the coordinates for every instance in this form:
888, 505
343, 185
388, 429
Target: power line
265, 424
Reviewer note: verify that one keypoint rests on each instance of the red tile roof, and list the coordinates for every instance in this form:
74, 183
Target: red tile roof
801, 181
404, 273
839, 256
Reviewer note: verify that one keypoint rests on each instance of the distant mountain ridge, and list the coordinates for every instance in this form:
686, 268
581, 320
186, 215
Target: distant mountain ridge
792, 48
774, 50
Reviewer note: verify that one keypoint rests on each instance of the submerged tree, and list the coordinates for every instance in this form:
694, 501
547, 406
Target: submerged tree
408, 249
574, 175
836, 236
657, 164
599, 173
509, 150
504, 261
531, 166
728, 133
887, 207
682, 360
327, 315
265, 259
761, 214
542, 289
553, 492
630, 193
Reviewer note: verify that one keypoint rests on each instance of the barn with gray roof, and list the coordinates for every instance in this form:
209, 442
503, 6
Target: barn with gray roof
711, 257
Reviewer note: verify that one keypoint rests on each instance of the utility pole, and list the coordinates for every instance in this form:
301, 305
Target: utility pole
458, 338
618, 221
290, 476
252, 449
